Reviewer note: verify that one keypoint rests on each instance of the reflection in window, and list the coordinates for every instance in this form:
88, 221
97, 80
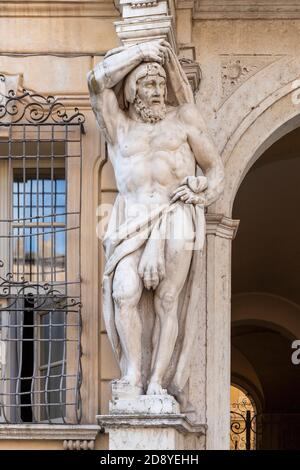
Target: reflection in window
52, 363
39, 213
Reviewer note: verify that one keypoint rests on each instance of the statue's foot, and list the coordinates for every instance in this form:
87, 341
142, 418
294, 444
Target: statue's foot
131, 380
128, 387
154, 388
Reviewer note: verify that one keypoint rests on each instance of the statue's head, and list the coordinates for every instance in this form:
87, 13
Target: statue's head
145, 89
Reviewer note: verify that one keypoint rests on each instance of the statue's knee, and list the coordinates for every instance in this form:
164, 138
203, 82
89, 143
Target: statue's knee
167, 300
125, 298
119, 298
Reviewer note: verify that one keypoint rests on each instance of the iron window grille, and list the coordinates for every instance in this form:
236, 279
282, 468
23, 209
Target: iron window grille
40, 309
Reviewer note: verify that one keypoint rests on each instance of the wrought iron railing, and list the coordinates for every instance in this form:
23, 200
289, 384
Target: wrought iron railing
245, 425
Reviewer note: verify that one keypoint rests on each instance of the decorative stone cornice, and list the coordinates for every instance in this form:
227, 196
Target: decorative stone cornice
221, 226
176, 421
58, 8
246, 9
84, 432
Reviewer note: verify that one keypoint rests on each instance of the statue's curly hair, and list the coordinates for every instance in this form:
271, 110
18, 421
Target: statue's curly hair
141, 71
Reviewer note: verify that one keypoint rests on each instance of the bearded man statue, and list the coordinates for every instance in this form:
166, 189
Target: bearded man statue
167, 171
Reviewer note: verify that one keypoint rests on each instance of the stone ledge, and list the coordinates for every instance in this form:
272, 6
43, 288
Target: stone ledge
84, 432
247, 9
58, 8
177, 421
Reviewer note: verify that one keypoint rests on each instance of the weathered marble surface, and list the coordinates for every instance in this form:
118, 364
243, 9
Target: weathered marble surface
145, 405
156, 139
150, 423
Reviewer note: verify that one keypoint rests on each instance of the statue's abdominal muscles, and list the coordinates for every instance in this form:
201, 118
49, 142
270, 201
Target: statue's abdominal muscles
148, 169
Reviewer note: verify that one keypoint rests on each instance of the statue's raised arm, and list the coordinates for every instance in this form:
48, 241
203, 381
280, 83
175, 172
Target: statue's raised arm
156, 139
111, 71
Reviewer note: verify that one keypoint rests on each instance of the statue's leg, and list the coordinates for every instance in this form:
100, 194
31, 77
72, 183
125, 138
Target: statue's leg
127, 290
178, 256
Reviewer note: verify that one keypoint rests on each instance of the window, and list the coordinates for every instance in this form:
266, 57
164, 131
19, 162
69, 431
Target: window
40, 316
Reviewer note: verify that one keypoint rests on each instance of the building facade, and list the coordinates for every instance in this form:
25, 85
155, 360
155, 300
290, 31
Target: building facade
242, 60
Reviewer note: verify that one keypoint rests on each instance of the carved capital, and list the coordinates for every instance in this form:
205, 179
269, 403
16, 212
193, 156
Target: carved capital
221, 226
144, 20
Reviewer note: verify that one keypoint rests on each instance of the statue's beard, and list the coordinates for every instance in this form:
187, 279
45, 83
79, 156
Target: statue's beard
147, 113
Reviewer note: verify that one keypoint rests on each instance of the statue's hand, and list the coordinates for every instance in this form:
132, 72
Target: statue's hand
154, 51
186, 195
191, 190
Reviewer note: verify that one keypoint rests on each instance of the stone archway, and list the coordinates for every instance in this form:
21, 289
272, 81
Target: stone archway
248, 144
256, 132
265, 309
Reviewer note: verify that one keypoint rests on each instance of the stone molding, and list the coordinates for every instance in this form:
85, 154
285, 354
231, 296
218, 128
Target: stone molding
79, 445
58, 8
246, 9
221, 226
176, 421
203, 9
84, 432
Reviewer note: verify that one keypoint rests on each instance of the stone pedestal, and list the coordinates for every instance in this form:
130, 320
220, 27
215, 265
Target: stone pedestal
150, 422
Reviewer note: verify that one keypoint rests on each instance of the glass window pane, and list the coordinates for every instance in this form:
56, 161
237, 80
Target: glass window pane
45, 252
60, 186
60, 199
53, 392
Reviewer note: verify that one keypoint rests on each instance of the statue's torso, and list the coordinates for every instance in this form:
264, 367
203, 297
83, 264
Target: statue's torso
151, 160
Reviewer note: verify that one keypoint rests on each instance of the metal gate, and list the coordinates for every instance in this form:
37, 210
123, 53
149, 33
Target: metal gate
40, 206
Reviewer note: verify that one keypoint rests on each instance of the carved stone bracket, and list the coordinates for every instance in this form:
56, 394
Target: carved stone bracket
78, 445
193, 72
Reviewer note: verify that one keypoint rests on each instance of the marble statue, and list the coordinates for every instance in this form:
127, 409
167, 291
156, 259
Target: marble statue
167, 171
